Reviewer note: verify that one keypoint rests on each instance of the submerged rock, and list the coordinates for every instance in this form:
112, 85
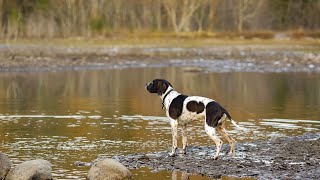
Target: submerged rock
38, 169
108, 169
5, 165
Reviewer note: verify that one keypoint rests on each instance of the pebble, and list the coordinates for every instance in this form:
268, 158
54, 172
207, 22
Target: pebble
311, 66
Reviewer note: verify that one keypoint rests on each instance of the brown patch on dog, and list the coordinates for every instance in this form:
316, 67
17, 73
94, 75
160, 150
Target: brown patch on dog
194, 106
176, 106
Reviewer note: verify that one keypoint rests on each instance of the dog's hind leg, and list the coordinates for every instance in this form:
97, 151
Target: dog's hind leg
221, 130
174, 129
212, 134
184, 140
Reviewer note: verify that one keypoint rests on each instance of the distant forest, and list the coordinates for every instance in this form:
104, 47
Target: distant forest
90, 18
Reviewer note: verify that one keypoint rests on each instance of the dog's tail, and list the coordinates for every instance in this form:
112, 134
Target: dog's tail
234, 123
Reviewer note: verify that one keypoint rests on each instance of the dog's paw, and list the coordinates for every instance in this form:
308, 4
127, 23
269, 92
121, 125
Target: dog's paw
172, 154
233, 154
184, 151
215, 157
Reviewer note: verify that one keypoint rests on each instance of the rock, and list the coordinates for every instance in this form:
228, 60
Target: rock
311, 66
108, 169
79, 163
38, 169
5, 165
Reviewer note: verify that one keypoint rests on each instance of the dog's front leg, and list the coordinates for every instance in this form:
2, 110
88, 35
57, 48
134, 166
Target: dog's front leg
174, 129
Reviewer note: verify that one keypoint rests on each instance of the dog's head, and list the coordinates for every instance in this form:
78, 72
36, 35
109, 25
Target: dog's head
158, 86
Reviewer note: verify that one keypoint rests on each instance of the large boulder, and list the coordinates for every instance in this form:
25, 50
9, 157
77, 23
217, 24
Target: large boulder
108, 169
5, 165
38, 169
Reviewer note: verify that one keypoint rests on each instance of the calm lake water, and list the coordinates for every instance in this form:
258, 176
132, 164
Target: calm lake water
65, 117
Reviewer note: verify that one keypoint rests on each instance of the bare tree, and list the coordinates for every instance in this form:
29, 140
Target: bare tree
1, 18
247, 9
180, 13
158, 7
205, 15
201, 14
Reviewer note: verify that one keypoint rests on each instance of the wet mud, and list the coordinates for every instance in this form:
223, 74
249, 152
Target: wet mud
281, 158
217, 59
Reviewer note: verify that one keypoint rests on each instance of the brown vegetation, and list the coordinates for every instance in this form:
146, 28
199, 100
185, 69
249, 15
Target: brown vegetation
102, 18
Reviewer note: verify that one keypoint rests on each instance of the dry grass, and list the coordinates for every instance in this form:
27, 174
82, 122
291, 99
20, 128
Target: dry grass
298, 34
156, 39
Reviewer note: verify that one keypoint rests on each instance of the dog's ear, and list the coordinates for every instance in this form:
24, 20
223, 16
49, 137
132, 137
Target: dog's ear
162, 86
168, 83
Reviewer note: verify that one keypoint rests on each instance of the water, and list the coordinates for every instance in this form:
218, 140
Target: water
65, 117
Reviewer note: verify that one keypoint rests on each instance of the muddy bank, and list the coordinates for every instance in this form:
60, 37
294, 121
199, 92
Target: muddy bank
282, 158
249, 58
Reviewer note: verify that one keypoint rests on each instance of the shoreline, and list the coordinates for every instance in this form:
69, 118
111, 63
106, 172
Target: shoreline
281, 158
217, 58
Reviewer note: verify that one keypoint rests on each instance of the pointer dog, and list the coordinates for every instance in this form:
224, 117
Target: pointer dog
182, 109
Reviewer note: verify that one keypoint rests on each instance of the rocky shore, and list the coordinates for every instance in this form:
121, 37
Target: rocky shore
283, 158
222, 58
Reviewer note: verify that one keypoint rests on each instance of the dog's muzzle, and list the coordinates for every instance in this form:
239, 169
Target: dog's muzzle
148, 86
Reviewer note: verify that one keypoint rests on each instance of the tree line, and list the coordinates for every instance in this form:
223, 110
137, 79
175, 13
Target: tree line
89, 18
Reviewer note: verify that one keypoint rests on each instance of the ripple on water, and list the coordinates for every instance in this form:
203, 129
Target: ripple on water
13, 117
288, 124
141, 117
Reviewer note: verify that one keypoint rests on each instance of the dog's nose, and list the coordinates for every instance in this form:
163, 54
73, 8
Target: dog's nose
147, 84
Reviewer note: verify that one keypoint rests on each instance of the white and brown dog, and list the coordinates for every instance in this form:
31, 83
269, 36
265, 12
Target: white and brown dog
182, 109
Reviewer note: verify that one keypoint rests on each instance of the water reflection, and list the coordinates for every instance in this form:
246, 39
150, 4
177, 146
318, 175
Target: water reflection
66, 117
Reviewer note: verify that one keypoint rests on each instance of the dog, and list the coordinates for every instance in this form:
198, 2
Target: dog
182, 110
